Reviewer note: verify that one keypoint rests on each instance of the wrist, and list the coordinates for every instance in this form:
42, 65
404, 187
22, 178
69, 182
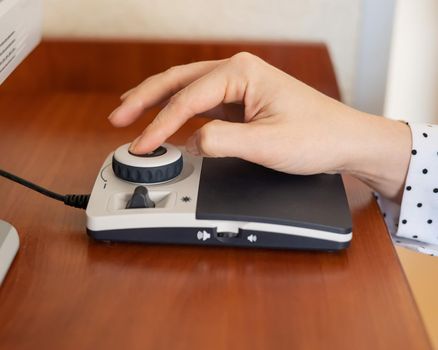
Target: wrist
382, 149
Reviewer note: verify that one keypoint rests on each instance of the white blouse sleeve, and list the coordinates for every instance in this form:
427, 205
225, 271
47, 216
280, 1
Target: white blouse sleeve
414, 224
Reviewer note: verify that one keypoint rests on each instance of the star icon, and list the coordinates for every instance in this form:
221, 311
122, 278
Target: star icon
186, 199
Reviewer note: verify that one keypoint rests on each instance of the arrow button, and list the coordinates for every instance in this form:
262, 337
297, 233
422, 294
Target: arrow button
203, 235
252, 238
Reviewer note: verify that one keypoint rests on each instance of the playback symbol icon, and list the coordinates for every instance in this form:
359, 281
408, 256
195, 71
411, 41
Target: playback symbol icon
252, 238
203, 235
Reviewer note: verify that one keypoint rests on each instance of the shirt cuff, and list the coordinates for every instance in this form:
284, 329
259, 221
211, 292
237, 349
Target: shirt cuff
414, 225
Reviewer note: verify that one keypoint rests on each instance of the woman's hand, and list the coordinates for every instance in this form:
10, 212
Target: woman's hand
267, 117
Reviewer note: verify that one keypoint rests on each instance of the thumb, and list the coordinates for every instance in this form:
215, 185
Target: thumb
220, 138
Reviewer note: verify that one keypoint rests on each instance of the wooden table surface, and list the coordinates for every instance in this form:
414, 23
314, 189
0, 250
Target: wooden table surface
66, 291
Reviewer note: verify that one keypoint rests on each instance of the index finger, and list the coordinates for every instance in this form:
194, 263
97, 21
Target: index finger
157, 88
214, 88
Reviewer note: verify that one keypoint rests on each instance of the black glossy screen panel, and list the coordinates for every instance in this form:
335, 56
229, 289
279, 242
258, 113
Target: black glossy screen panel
233, 189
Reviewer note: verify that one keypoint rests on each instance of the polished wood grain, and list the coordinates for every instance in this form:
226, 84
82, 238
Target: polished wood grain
66, 291
118, 66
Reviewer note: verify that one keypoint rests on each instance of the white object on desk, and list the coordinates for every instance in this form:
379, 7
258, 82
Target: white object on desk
20, 32
9, 243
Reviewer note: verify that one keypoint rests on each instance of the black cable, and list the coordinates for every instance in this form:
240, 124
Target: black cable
73, 200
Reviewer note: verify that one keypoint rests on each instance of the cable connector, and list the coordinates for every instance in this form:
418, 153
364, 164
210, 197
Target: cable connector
73, 200
77, 200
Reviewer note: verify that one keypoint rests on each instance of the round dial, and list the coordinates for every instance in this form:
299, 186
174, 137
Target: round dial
161, 165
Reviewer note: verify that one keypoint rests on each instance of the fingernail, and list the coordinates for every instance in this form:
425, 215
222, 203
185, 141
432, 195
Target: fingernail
125, 94
134, 145
126, 108
111, 115
192, 145
114, 112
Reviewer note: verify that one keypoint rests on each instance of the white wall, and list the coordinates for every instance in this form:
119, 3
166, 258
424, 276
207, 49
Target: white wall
412, 92
374, 43
332, 21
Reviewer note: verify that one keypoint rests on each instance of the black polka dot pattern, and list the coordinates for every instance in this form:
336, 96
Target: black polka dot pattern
418, 214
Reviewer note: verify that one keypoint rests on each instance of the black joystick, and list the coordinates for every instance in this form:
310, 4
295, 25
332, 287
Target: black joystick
140, 199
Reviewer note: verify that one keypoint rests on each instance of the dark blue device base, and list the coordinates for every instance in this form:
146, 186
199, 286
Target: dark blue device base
188, 236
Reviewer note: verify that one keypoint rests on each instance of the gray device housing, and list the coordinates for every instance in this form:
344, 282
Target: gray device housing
225, 202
